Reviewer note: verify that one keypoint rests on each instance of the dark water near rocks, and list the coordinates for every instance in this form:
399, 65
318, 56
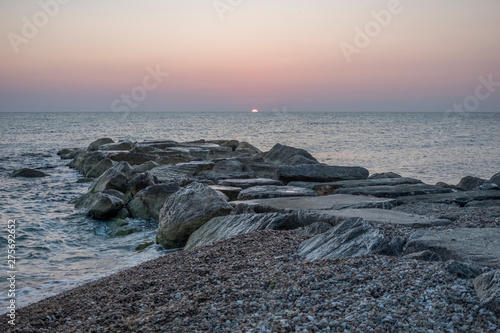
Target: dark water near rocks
58, 247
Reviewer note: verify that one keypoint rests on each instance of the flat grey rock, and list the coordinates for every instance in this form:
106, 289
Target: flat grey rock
328, 202
325, 188
395, 191
231, 191
358, 183
383, 216
460, 198
354, 237
319, 173
224, 227
173, 173
273, 191
484, 203
246, 183
480, 246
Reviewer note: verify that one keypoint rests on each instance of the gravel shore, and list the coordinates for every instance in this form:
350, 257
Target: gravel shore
257, 283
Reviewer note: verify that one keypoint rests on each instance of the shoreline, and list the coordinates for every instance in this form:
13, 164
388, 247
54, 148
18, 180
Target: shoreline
219, 196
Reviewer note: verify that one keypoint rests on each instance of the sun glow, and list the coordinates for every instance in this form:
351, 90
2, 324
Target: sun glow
255, 110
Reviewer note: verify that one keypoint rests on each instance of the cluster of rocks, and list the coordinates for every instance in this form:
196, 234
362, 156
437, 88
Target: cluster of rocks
203, 192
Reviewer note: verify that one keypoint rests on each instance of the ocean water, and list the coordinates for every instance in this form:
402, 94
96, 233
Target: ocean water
57, 247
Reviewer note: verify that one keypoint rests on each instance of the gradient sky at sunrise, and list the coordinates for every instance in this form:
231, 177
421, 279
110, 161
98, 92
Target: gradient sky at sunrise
264, 54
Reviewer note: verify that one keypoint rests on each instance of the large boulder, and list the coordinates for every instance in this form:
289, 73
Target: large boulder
102, 205
197, 166
487, 288
139, 182
186, 211
462, 270
28, 173
174, 173
173, 159
224, 227
319, 173
100, 168
144, 167
262, 170
132, 158
354, 237
469, 183
313, 229
98, 143
273, 191
228, 166
84, 162
495, 179
246, 148
123, 145
115, 178
479, 246
149, 201
460, 198
230, 143
69, 153
281, 154
384, 175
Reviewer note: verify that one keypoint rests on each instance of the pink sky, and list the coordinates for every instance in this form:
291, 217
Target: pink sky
263, 54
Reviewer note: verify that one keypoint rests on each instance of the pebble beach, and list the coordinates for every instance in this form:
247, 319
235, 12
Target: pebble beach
257, 283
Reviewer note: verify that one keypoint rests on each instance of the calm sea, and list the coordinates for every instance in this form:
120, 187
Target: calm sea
58, 247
